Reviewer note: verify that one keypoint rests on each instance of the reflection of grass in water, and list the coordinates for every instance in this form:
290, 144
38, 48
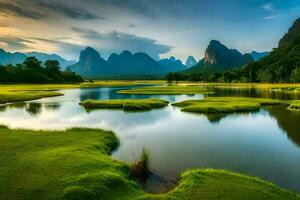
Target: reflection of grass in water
75, 164
295, 105
125, 104
223, 105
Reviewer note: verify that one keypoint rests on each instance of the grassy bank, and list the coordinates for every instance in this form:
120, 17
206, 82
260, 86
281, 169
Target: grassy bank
223, 105
25, 92
168, 90
125, 104
75, 164
19, 96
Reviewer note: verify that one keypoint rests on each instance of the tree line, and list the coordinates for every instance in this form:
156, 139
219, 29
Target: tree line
34, 71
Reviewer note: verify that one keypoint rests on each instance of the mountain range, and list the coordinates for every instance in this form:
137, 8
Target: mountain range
124, 65
17, 58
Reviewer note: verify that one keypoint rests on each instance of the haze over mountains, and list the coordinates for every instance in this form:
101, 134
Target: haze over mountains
17, 58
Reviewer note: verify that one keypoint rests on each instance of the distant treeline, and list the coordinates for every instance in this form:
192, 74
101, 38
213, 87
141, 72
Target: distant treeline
34, 71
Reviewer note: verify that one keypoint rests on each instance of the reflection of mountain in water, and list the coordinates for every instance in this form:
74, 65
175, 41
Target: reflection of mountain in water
287, 121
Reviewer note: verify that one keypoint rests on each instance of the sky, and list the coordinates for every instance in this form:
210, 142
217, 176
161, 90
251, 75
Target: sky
160, 28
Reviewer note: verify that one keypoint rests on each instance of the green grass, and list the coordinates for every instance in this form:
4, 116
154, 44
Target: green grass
167, 90
125, 104
224, 105
76, 164
210, 184
295, 105
25, 92
20, 96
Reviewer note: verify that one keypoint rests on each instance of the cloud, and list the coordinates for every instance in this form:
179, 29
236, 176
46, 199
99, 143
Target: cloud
114, 42
15, 43
20, 11
66, 49
69, 11
270, 17
269, 7
132, 25
40, 9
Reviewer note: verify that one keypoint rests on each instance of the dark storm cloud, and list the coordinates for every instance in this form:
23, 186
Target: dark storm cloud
69, 11
20, 11
15, 43
114, 41
40, 9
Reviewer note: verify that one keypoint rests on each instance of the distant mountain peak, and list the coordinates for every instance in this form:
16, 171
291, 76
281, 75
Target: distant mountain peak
292, 34
126, 53
87, 53
218, 54
190, 62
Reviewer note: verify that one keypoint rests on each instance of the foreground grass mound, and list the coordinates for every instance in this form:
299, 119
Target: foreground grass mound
168, 90
75, 164
210, 184
125, 104
71, 164
224, 105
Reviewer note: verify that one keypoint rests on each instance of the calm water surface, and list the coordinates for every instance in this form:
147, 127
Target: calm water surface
265, 144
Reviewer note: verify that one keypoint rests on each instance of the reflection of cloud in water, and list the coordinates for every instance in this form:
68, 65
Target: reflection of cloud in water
67, 115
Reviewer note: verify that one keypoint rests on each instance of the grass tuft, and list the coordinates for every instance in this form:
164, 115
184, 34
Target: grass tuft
141, 168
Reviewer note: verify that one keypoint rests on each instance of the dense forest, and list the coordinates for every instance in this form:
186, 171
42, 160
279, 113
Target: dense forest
34, 71
281, 65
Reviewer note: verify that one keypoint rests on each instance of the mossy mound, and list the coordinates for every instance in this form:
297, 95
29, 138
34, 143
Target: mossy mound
168, 90
224, 105
211, 184
125, 104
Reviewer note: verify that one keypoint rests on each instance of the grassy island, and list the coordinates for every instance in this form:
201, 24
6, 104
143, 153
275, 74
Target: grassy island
223, 105
168, 90
125, 104
76, 164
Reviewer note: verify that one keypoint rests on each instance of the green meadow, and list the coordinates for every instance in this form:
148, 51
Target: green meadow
24, 92
125, 104
76, 164
224, 105
168, 90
